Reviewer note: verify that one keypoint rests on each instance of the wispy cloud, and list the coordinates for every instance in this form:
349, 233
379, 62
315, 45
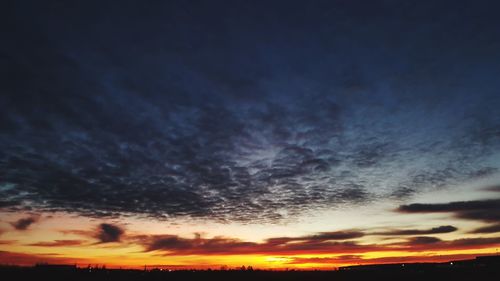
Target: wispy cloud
402, 232
58, 243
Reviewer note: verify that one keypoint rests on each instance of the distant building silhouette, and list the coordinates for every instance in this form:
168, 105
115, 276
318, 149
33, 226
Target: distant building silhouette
488, 260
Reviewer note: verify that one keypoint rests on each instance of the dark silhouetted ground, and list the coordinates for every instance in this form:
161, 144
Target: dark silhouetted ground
474, 270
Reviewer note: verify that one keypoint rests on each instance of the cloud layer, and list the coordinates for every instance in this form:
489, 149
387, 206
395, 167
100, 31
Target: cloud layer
173, 245
202, 111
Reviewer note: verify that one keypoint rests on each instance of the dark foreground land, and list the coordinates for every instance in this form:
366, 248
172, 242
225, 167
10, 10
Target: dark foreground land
469, 270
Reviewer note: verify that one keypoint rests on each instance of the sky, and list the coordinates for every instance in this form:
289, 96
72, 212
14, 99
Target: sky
275, 134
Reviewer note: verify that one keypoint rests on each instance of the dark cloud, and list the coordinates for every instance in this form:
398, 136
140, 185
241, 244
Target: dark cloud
484, 210
434, 230
24, 223
487, 229
336, 235
107, 233
423, 240
320, 237
58, 243
197, 110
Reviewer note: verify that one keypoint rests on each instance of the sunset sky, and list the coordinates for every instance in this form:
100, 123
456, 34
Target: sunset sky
275, 134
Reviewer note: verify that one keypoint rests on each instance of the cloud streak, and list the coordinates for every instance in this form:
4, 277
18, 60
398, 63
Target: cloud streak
487, 229
434, 230
482, 210
24, 259
355, 259
58, 243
